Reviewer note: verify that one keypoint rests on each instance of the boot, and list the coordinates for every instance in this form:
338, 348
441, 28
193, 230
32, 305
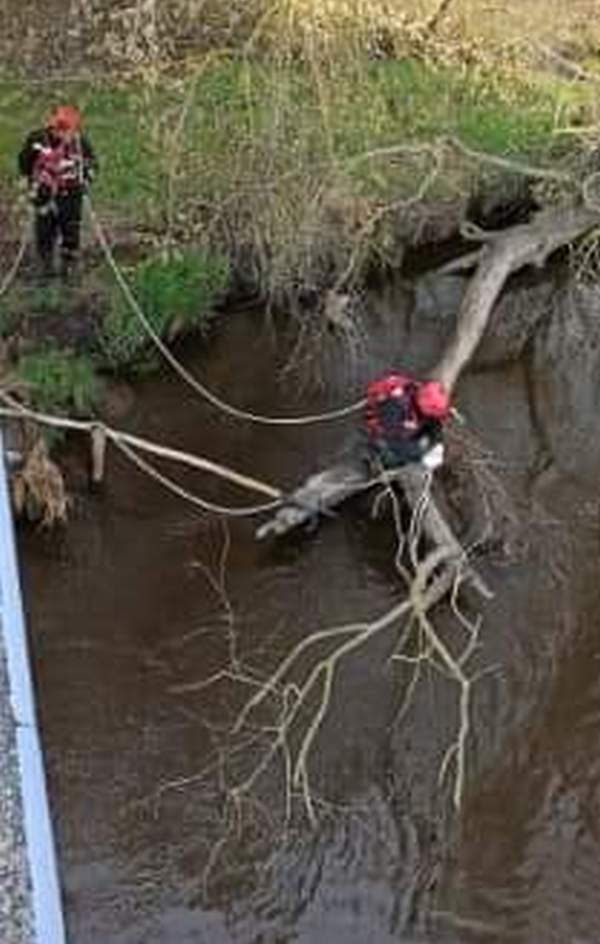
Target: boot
45, 269
68, 266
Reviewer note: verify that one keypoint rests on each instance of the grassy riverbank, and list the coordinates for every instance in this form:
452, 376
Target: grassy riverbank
244, 151
302, 145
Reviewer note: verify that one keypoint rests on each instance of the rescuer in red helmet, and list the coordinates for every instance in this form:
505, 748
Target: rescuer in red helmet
58, 163
404, 420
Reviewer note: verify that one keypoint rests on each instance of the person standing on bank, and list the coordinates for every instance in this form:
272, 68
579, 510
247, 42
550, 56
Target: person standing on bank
59, 164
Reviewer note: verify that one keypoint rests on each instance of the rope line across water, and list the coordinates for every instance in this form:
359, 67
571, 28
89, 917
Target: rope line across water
176, 489
193, 382
131, 445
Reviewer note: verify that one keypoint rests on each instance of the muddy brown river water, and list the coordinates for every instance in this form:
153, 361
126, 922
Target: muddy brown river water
130, 608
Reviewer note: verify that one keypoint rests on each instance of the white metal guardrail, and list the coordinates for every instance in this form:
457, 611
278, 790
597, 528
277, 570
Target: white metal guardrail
46, 902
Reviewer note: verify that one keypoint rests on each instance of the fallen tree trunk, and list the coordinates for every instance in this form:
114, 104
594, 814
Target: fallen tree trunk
323, 491
502, 253
316, 496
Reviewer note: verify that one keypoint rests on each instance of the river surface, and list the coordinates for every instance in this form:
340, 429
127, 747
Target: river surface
142, 599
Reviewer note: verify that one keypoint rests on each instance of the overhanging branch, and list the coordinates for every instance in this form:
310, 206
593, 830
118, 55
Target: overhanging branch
502, 254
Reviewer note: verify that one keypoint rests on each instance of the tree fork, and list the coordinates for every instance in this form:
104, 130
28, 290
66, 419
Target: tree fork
501, 253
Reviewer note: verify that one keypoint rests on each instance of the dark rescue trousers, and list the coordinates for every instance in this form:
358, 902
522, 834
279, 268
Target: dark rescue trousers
59, 221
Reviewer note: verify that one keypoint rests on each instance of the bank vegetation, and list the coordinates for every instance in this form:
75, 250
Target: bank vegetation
282, 151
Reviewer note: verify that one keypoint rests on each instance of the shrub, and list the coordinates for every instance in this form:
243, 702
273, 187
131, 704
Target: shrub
175, 292
59, 381
9, 318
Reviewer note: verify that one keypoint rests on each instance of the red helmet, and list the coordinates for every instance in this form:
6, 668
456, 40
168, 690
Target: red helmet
432, 400
65, 118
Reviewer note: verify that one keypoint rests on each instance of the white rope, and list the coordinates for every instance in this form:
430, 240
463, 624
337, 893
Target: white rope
590, 180
176, 489
12, 272
130, 444
199, 387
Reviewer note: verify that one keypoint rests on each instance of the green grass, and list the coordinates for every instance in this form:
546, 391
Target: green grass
246, 155
59, 381
44, 300
129, 180
25, 301
406, 101
175, 292
240, 108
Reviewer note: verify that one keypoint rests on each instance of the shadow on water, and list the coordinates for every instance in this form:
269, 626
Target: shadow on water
142, 599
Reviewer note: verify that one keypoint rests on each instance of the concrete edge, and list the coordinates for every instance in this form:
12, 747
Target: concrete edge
46, 902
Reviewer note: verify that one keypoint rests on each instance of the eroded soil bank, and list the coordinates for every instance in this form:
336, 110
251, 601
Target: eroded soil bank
141, 597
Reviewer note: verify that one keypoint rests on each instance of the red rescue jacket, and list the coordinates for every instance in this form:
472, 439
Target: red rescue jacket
392, 411
55, 167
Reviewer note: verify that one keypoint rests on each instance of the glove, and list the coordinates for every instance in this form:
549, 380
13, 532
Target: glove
434, 458
45, 209
40, 195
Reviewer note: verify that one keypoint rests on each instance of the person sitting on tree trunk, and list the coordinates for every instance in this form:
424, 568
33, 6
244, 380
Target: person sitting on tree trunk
404, 421
58, 163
